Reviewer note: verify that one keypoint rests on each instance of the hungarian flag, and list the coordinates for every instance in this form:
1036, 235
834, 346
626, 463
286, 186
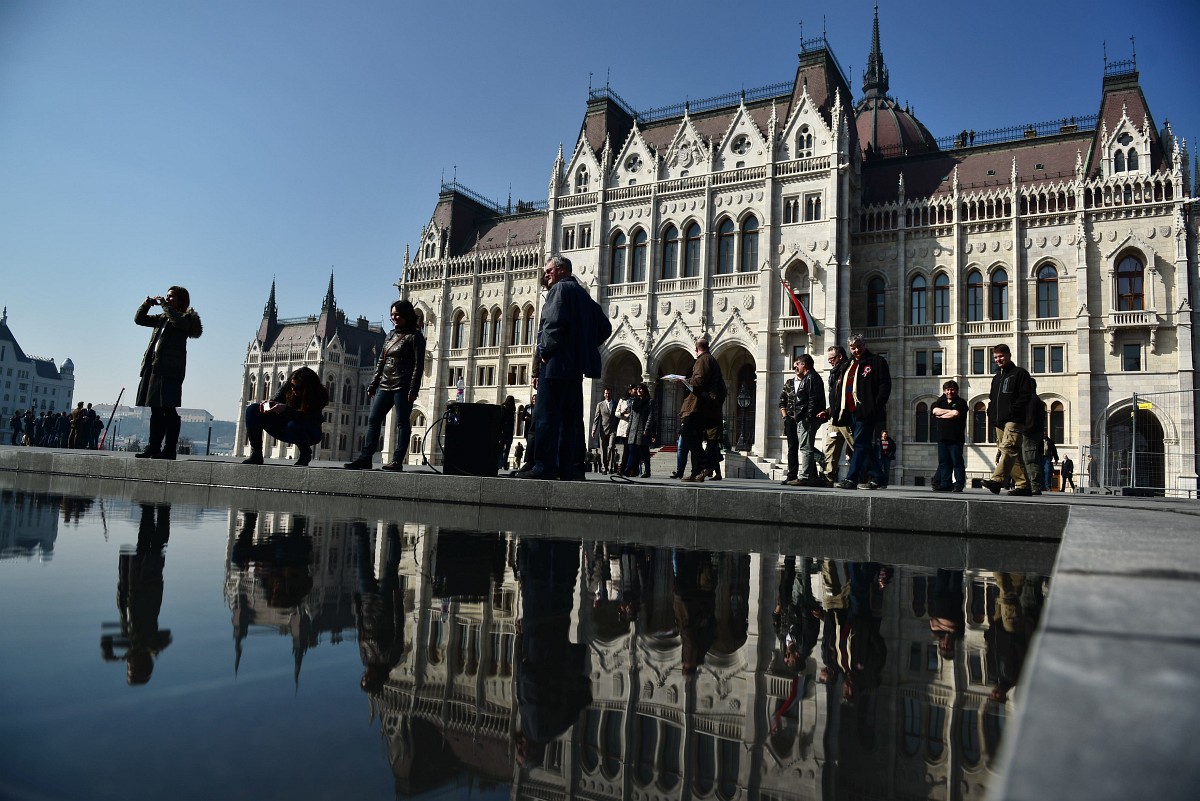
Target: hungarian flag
808, 323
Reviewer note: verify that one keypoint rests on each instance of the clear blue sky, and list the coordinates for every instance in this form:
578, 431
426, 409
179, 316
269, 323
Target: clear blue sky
220, 144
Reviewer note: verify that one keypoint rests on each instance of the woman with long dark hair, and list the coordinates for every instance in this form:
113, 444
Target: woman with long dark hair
293, 414
164, 365
396, 384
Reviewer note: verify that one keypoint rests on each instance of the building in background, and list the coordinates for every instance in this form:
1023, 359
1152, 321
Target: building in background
31, 382
342, 353
1074, 242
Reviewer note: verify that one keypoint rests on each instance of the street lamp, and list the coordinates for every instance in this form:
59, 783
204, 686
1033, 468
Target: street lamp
743, 402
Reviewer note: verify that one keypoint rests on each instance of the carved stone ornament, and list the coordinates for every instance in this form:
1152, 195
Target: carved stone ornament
1165, 230
1056, 241
636, 310
722, 303
613, 311
1008, 244
970, 248
665, 307
748, 302
690, 305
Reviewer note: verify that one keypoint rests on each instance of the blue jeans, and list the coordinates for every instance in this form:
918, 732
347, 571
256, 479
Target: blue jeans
952, 466
864, 461
381, 404
560, 444
297, 432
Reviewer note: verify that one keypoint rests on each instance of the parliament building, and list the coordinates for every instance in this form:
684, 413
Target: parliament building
1072, 241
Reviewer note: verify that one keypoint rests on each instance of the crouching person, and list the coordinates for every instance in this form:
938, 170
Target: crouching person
293, 415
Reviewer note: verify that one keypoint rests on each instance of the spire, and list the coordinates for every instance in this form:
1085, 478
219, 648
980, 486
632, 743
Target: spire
271, 311
875, 79
329, 304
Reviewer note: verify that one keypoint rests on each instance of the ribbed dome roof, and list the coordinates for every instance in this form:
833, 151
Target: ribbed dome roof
885, 129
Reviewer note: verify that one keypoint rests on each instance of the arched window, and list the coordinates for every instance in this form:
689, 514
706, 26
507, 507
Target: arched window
514, 326
527, 334
483, 328
1119, 161
941, 298
974, 296
921, 423
1130, 276
616, 262
999, 309
749, 245
726, 246
980, 431
1132, 163
582, 180
691, 263
670, 253
1058, 423
1047, 291
637, 267
875, 302
458, 332
497, 327
804, 143
347, 392
916, 307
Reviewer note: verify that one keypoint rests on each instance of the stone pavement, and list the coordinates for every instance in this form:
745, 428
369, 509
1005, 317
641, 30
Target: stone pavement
1111, 689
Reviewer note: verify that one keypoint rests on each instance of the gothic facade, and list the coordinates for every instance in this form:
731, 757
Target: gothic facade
1073, 242
31, 382
342, 353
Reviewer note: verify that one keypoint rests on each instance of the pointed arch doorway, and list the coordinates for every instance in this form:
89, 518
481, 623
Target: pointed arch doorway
1136, 453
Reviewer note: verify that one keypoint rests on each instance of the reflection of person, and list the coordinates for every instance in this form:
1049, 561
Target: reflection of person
293, 415
379, 608
570, 332
950, 428
947, 620
163, 367
397, 383
139, 598
552, 682
851, 643
695, 605
1018, 607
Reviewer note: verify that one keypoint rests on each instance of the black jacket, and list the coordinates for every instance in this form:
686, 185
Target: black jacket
807, 400
1012, 388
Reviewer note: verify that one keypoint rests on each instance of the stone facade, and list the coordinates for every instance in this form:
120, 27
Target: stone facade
342, 353
1072, 242
31, 382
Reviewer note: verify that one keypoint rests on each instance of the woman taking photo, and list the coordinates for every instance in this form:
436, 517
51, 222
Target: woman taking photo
292, 415
163, 367
642, 433
396, 384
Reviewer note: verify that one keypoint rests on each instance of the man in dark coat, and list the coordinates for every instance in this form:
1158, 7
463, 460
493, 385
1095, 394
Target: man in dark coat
802, 399
839, 436
164, 365
1012, 389
950, 426
570, 332
866, 389
701, 411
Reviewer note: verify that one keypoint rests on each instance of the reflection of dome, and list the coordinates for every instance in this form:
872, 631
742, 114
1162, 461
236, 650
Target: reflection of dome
885, 129
67, 367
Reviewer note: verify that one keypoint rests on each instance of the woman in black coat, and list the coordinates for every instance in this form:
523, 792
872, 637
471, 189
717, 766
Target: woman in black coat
642, 432
164, 365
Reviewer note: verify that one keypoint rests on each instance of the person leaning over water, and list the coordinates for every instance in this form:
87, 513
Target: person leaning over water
163, 367
293, 414
397, 383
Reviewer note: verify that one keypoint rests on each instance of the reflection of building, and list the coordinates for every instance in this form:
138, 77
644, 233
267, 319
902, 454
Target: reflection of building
291, 575
1072, 242
342, 353
449, 707
29, 522
31, 382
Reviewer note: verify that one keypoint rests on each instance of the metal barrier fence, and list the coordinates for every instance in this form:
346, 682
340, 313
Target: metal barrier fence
1149, 448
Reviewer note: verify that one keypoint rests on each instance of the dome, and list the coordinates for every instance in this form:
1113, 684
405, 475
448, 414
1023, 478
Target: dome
68, 366
885, 129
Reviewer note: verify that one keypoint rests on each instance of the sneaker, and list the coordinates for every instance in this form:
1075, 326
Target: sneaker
991, 486
846, 484
868, 485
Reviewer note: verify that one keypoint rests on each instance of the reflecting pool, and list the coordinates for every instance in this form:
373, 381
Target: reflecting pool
165, 643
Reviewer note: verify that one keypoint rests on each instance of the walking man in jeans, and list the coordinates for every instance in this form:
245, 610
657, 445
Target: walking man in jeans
1012, 390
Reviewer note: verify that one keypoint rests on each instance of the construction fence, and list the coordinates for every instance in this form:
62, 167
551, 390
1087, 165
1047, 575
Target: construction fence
1149, 448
